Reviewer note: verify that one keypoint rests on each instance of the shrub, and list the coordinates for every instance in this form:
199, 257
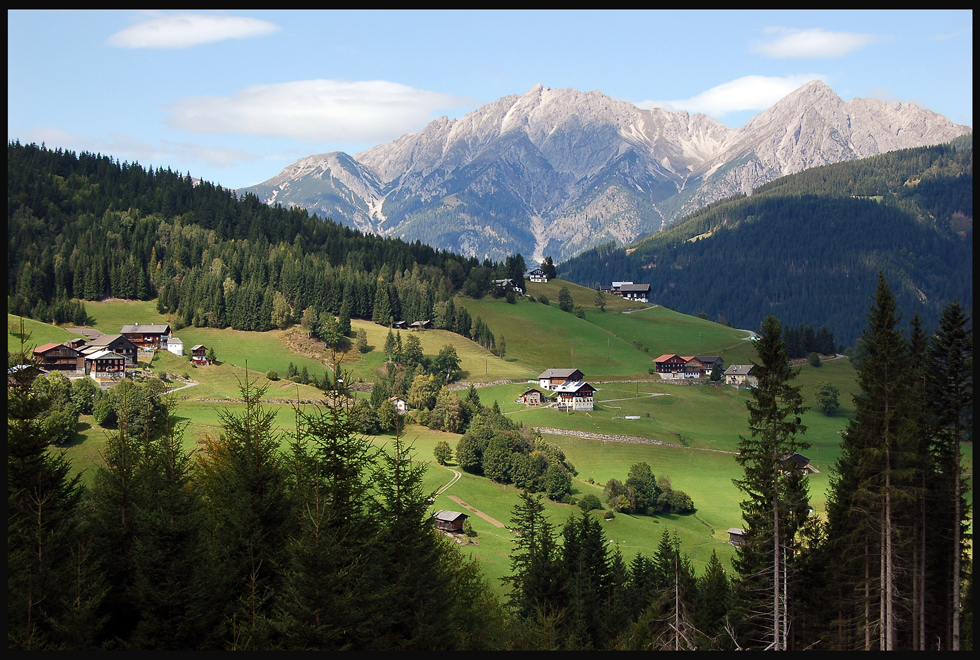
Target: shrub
271, 374
590, 502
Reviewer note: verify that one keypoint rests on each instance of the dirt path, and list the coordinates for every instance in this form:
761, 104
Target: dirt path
492, 521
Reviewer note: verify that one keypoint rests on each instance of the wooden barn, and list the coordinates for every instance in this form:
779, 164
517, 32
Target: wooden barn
449, 521
147, 336
57, 357
736, 536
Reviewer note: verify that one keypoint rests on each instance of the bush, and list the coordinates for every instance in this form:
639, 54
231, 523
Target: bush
544, 300
272, 374
590, 503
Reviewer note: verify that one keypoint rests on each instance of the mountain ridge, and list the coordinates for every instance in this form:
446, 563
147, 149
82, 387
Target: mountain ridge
557, 171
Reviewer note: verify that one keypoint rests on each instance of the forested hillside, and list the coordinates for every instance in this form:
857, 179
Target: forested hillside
807, 248
88, 227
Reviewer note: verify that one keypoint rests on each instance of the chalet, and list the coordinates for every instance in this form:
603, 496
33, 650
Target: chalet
693, 367
668, 365
420, 325
801, 461
449, 521
736, 536
741, 375
401, 407
399, 325
638, 292
57, 357
709, 362
509, 285
147, 337
115, 343
77, 343
199, 355
574, 396
531, 397
617, 286
538, 275
552, 378
175, 346
105, 367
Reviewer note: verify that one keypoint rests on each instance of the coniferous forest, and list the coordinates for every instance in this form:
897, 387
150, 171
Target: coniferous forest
321, 540
807, 247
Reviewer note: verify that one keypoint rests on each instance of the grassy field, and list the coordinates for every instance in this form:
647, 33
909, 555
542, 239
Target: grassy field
697, 427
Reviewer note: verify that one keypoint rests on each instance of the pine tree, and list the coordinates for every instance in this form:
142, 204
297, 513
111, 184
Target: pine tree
776, 488
243, 482
534, 571
950, 394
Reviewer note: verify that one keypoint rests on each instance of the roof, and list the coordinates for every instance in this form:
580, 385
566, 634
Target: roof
175, 340
44, 348
629, 288
558, 373
666, 356
449, 516
105, 340
148, 328
104, 354
709, 359
88, 332
572, 388
736, 530
197, 346
739, 370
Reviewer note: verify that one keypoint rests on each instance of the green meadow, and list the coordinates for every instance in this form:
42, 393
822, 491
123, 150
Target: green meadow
685, 431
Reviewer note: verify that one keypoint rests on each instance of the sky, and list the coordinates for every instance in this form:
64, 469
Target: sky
233, 97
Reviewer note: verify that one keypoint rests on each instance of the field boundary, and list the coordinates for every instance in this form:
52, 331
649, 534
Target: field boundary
621, 438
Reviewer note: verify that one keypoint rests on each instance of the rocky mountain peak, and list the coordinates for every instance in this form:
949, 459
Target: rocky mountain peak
556, 171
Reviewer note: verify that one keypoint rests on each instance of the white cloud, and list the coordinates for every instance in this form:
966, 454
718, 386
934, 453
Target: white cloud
811, 43
185, 30
127, 148
746, 93
315, 110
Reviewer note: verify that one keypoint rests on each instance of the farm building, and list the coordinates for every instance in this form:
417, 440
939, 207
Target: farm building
538, 275
420, 325
531, 397
199, 355
741, 375
23, 374
57, 357
575, 396
148, 336
115, 343
449, 521
669, 364
552, 378
105, 367
800, 460
175, 346
736, 536
400, 405
509, 285
638, 292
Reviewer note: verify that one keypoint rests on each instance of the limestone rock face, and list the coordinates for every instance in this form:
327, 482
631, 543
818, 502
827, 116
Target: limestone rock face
557, 171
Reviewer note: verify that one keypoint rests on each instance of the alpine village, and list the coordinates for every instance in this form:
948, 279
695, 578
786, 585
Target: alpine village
240, 425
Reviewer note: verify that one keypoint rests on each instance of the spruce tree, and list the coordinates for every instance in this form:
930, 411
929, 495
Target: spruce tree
950, 394
777, 500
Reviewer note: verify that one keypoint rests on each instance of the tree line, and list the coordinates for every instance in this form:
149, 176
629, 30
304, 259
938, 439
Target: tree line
807, 247
85, 227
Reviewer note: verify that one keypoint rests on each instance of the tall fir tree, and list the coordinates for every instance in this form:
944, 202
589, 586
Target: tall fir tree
776, 489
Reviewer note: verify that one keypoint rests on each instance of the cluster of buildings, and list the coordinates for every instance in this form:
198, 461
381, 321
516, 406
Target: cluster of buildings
104, 358
567, 387
672, 366
628, 291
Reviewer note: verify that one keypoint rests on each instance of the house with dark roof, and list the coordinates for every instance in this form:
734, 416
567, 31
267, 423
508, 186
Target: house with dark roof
552, 378
531, 397
105, 367
538, 275
147, 336
637, 292
115, 343
449, 521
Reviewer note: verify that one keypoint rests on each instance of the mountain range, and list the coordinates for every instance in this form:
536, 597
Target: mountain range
557, 171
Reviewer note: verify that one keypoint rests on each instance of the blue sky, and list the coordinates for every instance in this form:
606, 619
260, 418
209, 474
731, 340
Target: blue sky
233, 97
